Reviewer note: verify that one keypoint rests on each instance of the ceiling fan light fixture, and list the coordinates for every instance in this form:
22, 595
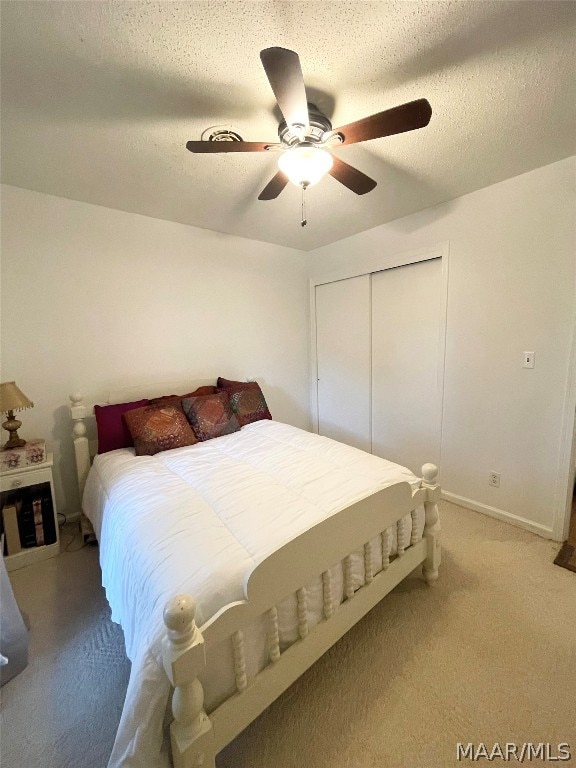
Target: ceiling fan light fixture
305, 165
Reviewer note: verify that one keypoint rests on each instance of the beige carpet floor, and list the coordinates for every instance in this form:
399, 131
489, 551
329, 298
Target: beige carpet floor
488, 654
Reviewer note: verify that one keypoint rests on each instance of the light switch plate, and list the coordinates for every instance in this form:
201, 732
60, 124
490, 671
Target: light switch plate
528, 359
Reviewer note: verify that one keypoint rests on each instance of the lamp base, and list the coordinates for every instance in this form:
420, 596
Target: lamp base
14, 442
12, 426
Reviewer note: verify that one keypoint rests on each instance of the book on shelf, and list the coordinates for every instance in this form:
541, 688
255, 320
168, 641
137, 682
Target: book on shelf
26, 522
11, 532
48, 522
29, 520
38, 523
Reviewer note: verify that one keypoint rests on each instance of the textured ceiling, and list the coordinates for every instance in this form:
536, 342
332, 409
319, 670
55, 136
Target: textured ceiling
99, 99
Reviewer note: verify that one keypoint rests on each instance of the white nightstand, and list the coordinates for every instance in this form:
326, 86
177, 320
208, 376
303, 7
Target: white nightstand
25, 486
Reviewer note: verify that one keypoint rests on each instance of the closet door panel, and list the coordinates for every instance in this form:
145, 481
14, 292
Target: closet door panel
344, 360
406, 327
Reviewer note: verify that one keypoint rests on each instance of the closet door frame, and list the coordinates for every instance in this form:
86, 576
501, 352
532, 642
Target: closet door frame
367, 265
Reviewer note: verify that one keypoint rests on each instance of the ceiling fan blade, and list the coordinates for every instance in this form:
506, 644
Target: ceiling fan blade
284, 74
229, 146
406, 117
351, 177
274, 187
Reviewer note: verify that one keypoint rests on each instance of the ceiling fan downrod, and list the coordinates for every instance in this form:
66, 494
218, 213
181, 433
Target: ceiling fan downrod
303, 222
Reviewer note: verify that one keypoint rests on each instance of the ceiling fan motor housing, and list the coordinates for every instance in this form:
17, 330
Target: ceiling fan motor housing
318, 126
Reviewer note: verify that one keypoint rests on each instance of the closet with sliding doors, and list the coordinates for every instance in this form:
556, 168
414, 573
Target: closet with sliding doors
378, 356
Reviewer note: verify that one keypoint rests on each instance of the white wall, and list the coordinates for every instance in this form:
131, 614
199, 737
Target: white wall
94, 299
511, 288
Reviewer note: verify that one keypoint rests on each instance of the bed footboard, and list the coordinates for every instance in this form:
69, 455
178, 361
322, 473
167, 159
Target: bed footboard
196, 737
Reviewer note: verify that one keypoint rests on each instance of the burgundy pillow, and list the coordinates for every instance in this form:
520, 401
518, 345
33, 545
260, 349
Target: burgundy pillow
210, 416
112, 430
159, 427
246, 400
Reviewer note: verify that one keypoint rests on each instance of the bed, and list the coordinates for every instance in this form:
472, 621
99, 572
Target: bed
234, 564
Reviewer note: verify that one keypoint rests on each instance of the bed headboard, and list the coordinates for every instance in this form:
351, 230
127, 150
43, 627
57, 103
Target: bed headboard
154, 389
85, 449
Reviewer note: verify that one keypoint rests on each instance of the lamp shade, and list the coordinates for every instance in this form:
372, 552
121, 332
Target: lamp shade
305, 165
12, 398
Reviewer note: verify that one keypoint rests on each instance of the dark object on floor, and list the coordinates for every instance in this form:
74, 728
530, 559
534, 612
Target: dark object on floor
13, 631
566, 558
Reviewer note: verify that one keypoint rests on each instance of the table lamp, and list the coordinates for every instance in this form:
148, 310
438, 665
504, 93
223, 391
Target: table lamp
12, 399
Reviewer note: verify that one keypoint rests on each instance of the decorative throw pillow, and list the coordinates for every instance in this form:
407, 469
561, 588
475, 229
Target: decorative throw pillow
208, 389
210, 416
112, 430
159, 427
246, 400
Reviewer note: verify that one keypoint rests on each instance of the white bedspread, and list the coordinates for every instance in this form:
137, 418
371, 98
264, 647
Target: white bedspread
195, 520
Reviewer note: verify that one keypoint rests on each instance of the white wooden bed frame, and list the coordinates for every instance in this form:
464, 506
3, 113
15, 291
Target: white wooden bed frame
196, 737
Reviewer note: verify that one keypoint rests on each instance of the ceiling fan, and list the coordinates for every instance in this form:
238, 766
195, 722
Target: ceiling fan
306, 134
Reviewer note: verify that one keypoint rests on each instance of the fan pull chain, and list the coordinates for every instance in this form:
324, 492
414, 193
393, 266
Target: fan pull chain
303, 222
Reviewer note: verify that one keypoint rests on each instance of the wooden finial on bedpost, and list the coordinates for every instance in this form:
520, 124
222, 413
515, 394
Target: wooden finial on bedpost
180, 620
184, 657
432, 523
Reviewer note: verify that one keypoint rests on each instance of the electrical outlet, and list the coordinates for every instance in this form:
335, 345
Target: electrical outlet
494, 479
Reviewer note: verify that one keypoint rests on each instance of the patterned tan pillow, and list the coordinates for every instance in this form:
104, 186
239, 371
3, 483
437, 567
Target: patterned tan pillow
159, 427
210, 416
246, 400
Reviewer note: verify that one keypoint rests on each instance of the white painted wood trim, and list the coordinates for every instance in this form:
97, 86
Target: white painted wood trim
499, 514
183, 653
78, 414
567, 453
386, 547
313, 356
272, 579
365, 265
432, 524
368, 266
239, 655
370, 364
32, 555
273, 636
327, 596
307, 556
239, 711
368, 569
441, 370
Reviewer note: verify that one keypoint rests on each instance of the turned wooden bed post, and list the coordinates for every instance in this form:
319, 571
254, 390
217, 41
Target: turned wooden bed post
184, 657
432, 523
81, 446
82, 454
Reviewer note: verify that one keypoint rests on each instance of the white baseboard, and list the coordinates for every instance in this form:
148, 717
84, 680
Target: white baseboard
501, 514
